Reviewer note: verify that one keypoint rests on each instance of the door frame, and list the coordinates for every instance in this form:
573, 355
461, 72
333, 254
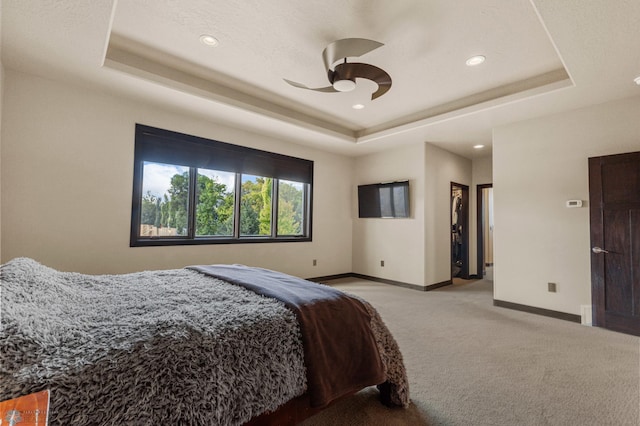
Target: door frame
480, 228
465, 229
596, 238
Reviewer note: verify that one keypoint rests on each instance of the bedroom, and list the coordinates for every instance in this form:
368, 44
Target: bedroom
67, 155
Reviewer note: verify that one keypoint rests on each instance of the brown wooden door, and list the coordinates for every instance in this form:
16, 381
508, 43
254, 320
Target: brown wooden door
614, 195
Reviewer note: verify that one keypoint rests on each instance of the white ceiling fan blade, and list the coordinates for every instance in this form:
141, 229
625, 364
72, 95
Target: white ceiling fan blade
302, 86
347, 47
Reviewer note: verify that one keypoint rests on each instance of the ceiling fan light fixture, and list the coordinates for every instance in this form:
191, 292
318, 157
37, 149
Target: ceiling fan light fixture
637, 80
344, 85
357, 106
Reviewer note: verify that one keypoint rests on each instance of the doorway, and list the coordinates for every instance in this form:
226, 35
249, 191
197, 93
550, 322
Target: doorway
485, 231
459, 231
614, 205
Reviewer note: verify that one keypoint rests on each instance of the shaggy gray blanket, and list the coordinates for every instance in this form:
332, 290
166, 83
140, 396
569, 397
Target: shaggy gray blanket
150, 348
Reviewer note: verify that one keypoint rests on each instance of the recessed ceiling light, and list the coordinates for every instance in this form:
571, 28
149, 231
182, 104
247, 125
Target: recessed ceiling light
637, 80
357, 106
475, 60
478, 146
209, 40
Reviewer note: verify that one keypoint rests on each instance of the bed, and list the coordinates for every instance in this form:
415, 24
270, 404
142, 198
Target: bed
205, 345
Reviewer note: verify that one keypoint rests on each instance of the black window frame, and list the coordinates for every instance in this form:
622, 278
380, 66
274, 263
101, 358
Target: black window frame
164, 146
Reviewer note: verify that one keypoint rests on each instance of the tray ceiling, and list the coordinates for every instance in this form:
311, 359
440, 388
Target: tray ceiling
150, 49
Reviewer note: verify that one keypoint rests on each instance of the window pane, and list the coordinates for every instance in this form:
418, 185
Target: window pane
215, 197
165, 200
255, 206
290, 208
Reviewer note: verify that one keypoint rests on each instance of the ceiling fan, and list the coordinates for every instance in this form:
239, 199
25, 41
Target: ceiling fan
343, 76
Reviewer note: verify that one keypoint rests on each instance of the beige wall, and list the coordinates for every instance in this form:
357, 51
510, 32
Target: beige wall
399, 242
538, 165
67, 164
482, 170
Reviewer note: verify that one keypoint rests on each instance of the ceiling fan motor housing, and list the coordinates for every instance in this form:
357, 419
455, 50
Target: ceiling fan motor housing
340, 80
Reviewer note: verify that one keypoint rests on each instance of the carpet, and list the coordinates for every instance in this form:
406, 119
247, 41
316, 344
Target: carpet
471, 363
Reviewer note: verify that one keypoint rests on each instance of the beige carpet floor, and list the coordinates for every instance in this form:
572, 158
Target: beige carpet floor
470, 363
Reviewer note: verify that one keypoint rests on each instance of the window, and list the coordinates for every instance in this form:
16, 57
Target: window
215, 199
255, 206
190, 190
290, 208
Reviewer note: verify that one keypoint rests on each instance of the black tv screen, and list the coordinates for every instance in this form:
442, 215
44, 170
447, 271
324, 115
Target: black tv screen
385, 200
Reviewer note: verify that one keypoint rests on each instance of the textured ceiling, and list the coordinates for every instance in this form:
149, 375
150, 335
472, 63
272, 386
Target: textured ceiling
149, 49
426, 45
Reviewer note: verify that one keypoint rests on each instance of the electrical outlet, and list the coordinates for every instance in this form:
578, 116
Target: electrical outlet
382, 263
551, 287
315, 262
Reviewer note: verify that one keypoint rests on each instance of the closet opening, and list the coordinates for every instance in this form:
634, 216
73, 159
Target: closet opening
459, 231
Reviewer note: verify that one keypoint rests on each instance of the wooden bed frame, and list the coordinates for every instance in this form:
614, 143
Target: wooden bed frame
292, 412
299, 409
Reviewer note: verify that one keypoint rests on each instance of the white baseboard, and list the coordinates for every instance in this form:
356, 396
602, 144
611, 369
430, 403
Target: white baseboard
586, 314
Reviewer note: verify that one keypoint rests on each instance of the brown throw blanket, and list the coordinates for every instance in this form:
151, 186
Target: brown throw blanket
340, 351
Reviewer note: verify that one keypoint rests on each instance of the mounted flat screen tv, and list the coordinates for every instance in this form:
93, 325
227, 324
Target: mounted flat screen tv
384, 200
